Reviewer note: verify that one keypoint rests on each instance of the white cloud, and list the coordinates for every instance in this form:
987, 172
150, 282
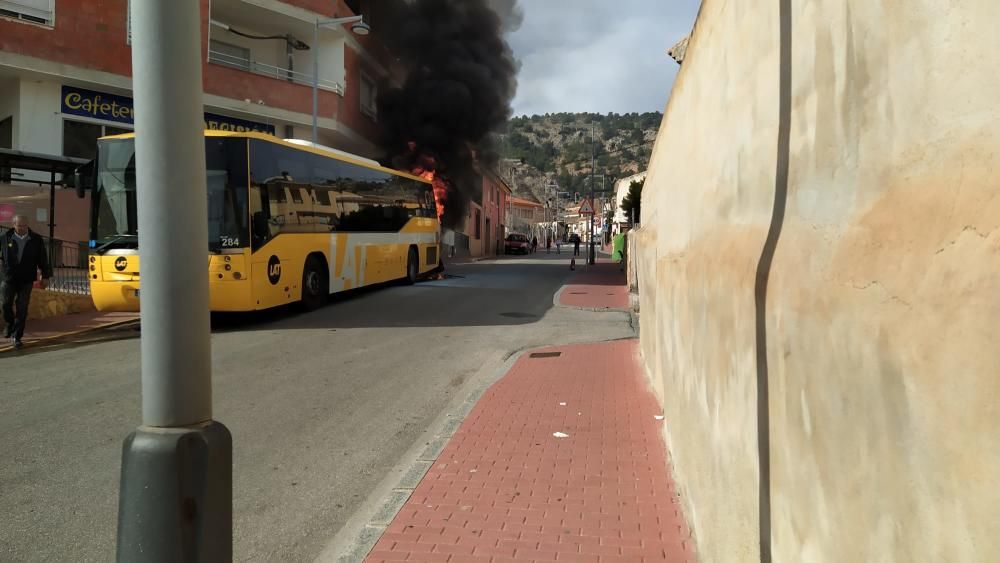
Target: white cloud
587, 55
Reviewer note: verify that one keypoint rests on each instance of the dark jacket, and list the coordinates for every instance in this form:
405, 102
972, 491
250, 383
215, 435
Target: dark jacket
33, 258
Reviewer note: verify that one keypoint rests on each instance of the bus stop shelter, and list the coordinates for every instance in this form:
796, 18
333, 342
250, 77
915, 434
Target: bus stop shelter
19, 169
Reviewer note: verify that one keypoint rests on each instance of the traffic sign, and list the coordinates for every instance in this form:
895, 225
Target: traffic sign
586, 208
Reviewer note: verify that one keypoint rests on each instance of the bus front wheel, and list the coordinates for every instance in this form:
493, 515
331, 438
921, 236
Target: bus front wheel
315, 287
412, 267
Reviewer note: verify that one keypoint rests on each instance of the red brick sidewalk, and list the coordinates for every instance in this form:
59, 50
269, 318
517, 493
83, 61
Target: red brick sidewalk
602, 286
41, 330
507, 488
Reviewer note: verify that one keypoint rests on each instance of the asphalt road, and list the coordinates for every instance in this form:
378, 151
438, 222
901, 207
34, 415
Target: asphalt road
321, 406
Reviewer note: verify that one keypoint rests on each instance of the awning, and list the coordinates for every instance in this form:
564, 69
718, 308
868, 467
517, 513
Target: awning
38, 162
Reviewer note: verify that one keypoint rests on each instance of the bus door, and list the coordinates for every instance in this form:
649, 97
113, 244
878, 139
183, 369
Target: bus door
274, 273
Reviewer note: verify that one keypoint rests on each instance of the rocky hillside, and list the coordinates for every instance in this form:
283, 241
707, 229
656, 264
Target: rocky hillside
536, 149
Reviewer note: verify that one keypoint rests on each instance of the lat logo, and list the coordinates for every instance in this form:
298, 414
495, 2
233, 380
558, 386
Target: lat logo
273, 270
121, 263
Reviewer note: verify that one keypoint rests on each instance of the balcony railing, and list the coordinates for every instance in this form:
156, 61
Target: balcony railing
272, 71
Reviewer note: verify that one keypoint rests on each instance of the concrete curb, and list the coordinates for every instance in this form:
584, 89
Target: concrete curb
556, 303
41, 341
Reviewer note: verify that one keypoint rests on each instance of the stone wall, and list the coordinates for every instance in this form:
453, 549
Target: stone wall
881, 355
45, 304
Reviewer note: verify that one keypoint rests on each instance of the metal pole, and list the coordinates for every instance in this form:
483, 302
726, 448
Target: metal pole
315, 81
175, 501
52, 219
593, 167
172, 211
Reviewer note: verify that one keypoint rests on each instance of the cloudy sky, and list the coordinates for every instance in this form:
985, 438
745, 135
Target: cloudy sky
597, 56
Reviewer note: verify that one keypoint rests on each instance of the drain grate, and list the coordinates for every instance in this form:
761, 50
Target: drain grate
519, 315
545, 355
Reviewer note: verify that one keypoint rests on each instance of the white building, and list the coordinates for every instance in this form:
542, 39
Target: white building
620, 221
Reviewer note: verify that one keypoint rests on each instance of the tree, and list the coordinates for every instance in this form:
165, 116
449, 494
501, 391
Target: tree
633, 200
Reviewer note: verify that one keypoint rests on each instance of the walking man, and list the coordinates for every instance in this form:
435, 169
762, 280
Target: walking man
22, 255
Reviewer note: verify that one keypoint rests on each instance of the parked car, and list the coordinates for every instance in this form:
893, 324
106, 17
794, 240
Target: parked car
517, 243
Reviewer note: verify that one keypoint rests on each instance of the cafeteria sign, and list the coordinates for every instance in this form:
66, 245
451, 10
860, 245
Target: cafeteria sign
110, 107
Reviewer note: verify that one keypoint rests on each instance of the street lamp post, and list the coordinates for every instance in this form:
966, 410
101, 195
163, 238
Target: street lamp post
593, 169
360, 28
549, 219
593, 205
175, 498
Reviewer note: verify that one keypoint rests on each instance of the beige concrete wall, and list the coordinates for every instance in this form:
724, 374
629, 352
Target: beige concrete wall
884, 291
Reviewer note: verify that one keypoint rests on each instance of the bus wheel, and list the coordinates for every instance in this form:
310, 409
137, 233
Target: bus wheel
315, 287
412, 267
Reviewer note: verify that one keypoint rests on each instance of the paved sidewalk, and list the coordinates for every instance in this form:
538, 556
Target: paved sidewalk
42, 330
601, 286
561, 460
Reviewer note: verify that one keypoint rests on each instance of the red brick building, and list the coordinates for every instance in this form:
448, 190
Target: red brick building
482, 232
66, 79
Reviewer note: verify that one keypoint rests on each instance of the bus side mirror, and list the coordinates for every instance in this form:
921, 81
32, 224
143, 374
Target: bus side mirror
83, 179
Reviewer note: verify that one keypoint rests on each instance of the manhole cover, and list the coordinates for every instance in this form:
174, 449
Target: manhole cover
545, 355
518, 315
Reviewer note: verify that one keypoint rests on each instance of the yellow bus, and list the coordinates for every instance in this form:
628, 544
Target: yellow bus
288, 222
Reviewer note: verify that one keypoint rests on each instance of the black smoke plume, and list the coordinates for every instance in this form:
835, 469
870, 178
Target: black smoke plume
460, 78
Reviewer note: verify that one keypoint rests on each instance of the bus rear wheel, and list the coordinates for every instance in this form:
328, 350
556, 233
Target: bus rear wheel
412, 267
315, 287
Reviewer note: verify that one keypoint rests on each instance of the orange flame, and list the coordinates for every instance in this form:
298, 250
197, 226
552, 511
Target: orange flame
439, 185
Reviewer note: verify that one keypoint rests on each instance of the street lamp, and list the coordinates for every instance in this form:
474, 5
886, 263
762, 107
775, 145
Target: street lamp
554, 206
591, 256
549, 211
359, 28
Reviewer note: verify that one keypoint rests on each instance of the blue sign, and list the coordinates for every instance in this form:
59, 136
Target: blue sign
223, 123
110, 107
86, 103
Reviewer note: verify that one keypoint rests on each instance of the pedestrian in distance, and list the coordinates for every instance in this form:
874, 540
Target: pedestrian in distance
534, 244
576, 245
22, 257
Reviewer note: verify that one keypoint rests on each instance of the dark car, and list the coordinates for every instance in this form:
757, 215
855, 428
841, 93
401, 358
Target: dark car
517, 243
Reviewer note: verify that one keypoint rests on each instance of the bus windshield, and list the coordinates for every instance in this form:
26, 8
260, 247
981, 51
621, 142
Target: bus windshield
115, 220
